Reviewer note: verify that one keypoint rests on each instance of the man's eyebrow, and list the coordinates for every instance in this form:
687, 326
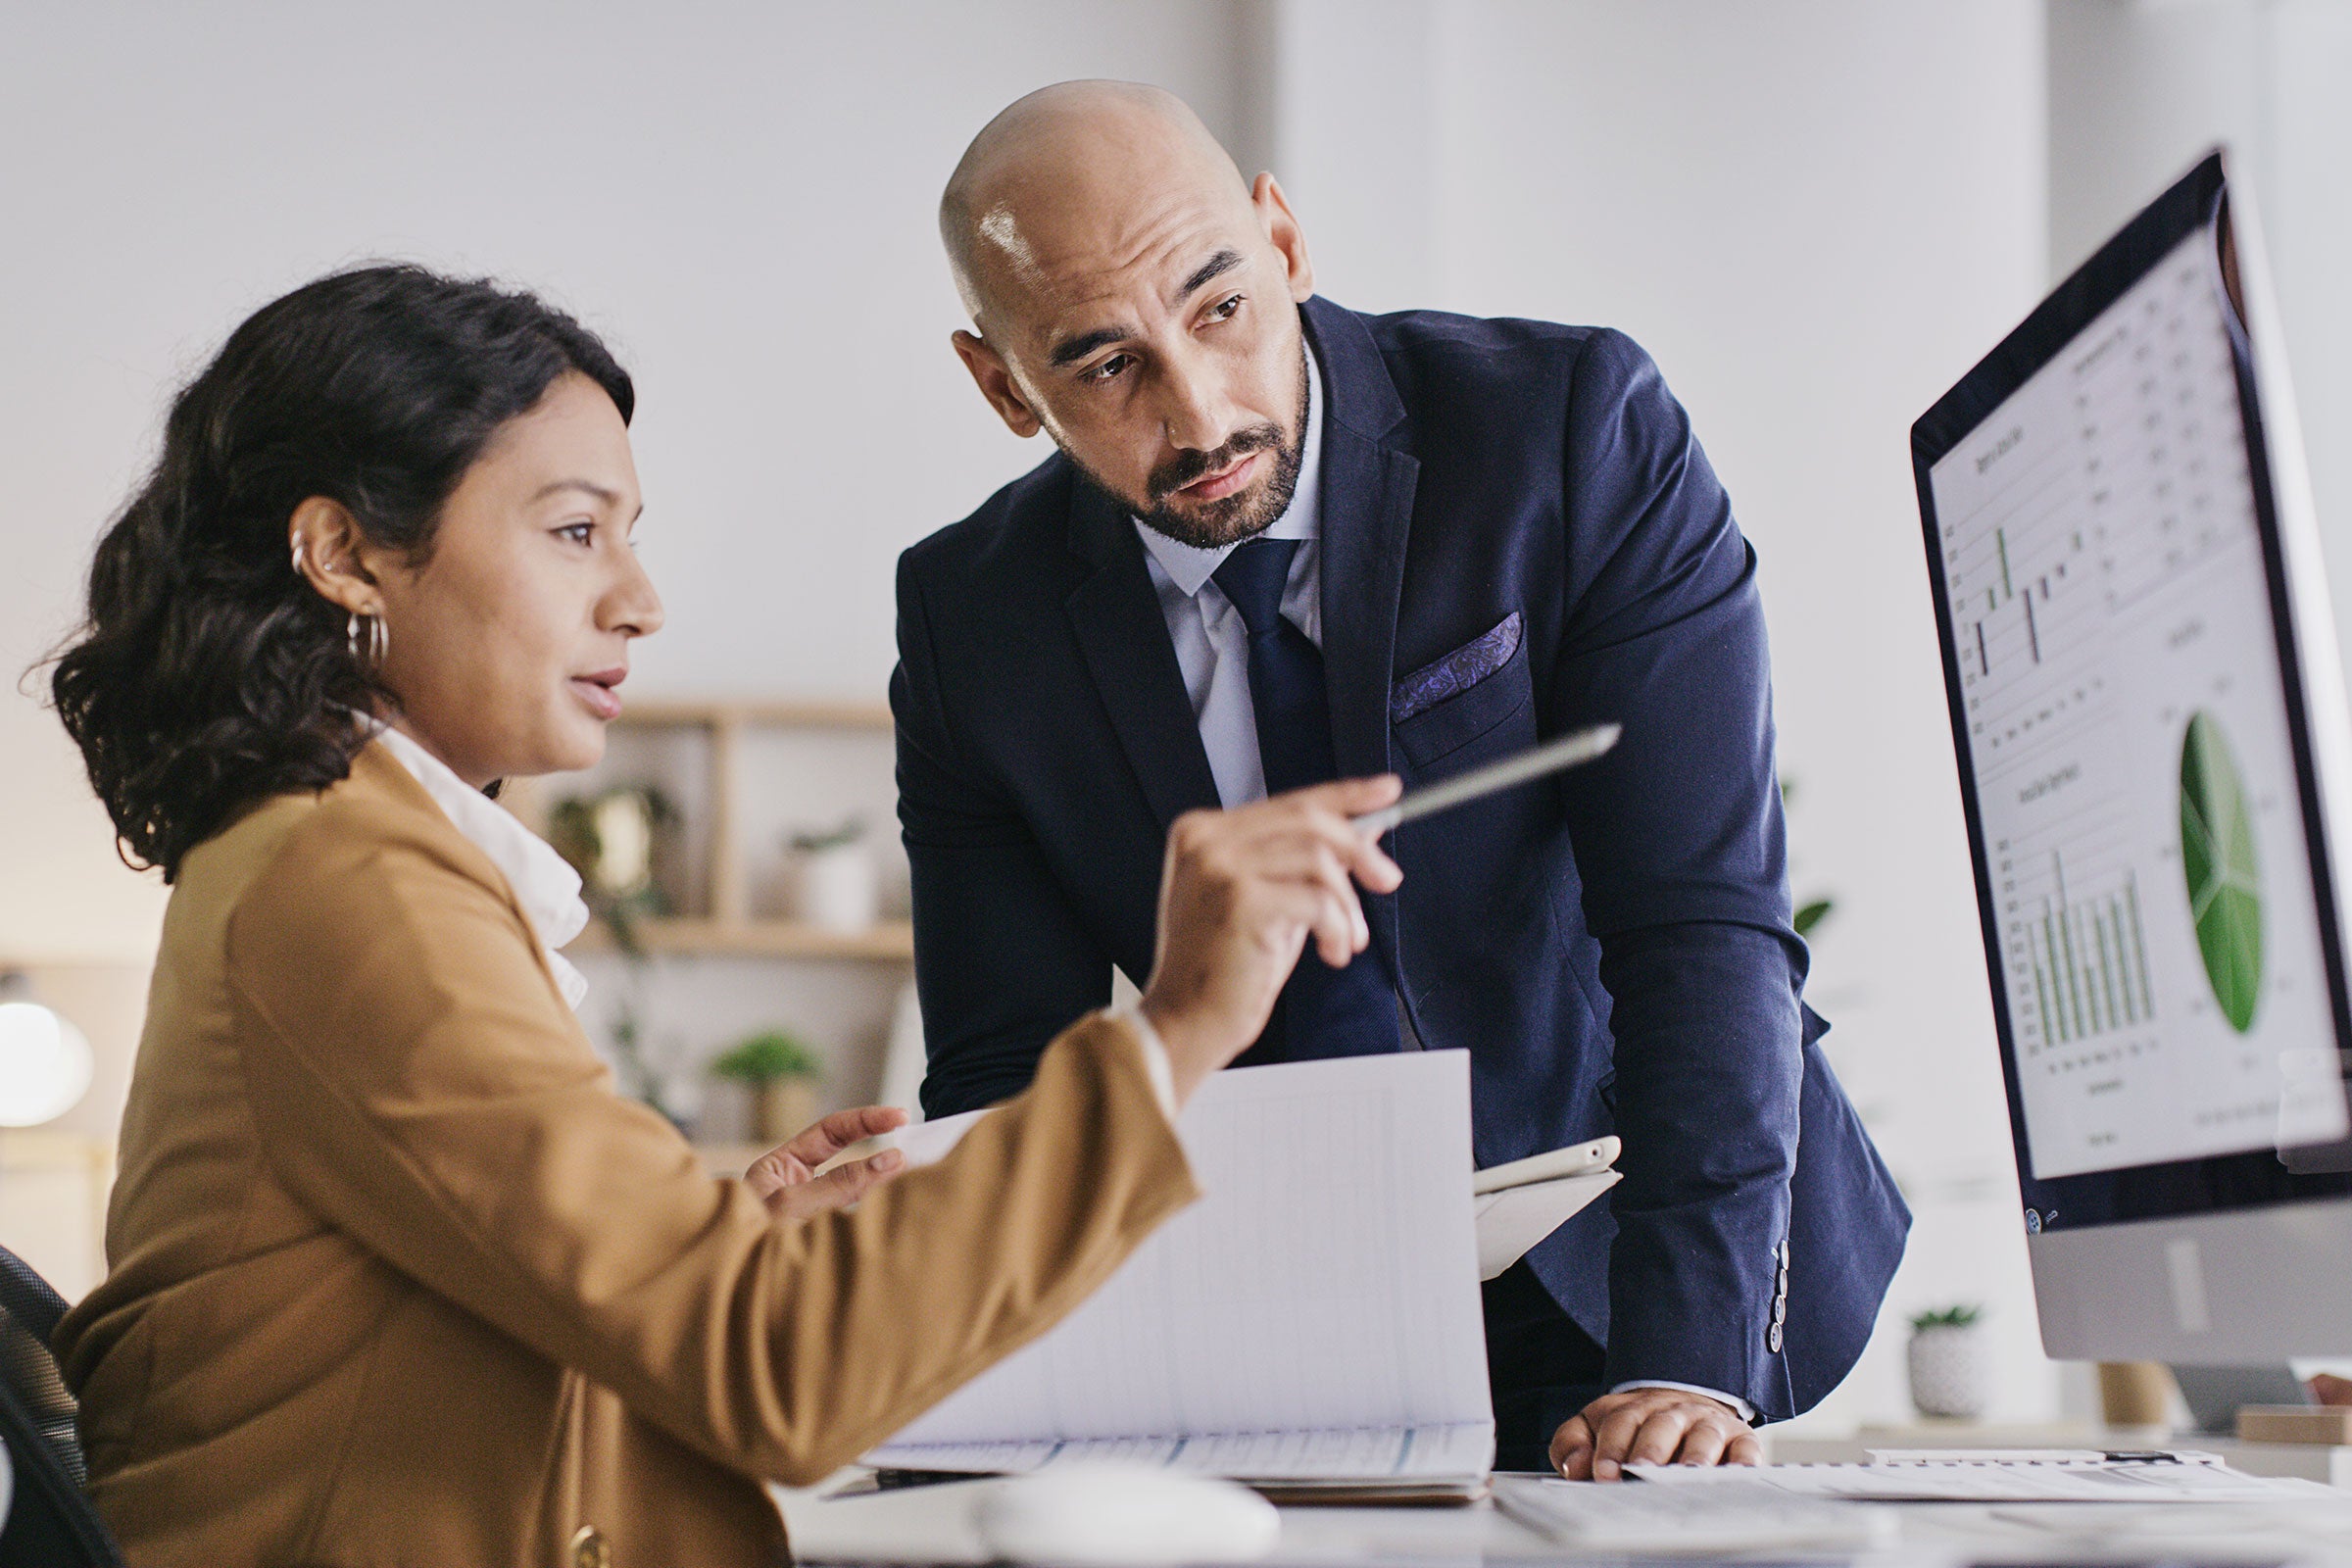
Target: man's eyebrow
1069, 352
1083, 345
610, 498
1215, 266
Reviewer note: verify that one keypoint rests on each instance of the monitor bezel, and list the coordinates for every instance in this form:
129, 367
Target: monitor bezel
2252, 1179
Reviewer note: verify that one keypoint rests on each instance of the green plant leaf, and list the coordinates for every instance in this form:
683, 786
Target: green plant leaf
770, 1058
1812, 915
849, 831
1960, 1316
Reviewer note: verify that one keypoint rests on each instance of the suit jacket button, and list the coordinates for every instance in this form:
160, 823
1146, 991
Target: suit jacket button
590, 1548
1772, 1338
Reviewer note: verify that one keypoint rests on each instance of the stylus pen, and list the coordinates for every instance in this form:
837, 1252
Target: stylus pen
1569, 750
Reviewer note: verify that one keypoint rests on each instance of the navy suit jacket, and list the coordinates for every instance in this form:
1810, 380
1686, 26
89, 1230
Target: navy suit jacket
1520, 537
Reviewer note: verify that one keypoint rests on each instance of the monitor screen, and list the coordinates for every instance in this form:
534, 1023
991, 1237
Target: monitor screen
2159, 923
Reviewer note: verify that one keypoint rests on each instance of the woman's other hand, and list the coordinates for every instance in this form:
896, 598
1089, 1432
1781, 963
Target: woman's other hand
1242, 892
785, 1177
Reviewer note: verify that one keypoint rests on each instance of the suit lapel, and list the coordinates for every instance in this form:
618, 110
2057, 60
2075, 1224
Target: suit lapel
1367, 511
1116, 617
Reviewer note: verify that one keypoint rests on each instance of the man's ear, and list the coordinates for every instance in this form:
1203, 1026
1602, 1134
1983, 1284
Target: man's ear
1285, 236
330, 552
994, 377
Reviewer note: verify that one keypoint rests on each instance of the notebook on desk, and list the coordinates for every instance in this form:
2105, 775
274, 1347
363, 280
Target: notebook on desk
1311, 1326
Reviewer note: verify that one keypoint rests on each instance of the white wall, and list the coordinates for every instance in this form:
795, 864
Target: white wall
740, 195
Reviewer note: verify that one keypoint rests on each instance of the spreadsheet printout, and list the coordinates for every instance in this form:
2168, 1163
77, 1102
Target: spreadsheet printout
1325, 1284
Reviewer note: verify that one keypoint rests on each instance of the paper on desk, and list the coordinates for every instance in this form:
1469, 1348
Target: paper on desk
1312, 1313
2003, 1481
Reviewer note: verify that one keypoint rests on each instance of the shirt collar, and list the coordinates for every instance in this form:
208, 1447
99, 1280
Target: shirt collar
544, 882
1188, 568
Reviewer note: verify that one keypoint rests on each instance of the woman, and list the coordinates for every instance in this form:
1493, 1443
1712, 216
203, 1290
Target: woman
395, 1275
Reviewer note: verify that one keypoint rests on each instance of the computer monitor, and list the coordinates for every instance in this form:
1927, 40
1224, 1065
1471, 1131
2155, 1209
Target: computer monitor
2156, 762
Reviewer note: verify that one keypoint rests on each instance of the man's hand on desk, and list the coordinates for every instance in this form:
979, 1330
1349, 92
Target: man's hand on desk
1241, 894
785, 1177
1651, 1426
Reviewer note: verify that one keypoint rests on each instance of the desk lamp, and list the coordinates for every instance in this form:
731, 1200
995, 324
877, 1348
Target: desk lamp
45, 1062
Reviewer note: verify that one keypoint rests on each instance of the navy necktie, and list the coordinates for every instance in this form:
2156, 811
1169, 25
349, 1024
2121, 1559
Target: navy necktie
1323, 1011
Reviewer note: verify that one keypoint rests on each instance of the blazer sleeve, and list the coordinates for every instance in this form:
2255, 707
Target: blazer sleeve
1678, 839
420, 1085
1001, 960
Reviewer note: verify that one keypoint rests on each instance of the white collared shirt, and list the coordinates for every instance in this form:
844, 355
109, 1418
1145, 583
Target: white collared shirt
544, 882
1212, 650
1212, 643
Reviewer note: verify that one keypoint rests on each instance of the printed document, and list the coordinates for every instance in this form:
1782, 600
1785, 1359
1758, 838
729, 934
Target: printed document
1315, 1318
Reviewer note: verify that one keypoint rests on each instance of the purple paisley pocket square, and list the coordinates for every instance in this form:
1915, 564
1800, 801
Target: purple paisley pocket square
1425, 688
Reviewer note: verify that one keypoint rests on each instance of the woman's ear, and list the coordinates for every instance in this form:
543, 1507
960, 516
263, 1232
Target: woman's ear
327, 545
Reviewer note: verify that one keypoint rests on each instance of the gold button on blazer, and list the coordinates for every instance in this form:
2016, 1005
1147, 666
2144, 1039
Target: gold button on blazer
398, 1278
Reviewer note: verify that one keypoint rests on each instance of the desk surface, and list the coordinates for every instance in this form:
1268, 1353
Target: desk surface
881, 1527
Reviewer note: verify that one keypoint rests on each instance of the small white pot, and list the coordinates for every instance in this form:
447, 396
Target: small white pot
1951, 1372
838, 888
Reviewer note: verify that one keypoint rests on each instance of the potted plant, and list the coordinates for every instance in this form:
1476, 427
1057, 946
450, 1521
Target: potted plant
835, 884
781, 1072
1952, 1363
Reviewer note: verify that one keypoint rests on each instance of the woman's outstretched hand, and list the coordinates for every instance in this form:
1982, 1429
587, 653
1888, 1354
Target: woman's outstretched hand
785, 1177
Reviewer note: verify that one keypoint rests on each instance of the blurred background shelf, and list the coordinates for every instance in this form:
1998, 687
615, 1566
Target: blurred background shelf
887, 940
781, 712
740, 779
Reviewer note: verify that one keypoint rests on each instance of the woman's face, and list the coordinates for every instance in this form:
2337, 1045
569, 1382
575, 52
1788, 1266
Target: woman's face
507, 648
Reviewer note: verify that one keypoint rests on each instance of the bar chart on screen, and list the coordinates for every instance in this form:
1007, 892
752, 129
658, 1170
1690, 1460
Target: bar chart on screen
2088, 958
2026, 603
2075, 939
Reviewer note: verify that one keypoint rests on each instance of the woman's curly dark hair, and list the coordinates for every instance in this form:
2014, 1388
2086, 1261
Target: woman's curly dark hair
209, 674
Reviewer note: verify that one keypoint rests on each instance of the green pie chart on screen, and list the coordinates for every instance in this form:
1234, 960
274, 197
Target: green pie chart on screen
2217, 855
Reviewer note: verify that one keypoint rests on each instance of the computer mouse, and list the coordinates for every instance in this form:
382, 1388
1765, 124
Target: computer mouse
1111, 1515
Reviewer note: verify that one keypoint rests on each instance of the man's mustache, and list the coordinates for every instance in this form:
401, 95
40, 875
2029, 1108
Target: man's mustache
1187, 467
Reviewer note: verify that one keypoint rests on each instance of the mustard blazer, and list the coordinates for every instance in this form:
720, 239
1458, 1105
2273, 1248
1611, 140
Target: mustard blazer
398, 1278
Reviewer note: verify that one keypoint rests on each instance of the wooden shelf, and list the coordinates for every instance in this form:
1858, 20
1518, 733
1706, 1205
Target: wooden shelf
663, 712
887, 941
730, 929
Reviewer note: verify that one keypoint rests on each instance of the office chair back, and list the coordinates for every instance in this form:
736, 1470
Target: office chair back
50, 1521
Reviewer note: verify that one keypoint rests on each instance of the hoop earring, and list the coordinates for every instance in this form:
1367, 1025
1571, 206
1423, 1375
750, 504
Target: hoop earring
379, 640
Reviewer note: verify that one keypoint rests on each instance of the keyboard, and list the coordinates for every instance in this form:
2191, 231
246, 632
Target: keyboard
1729, 1514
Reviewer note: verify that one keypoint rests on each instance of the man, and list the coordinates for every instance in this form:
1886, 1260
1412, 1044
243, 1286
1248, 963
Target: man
1282, 542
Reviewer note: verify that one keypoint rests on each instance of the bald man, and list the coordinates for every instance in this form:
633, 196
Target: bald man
1280, 542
